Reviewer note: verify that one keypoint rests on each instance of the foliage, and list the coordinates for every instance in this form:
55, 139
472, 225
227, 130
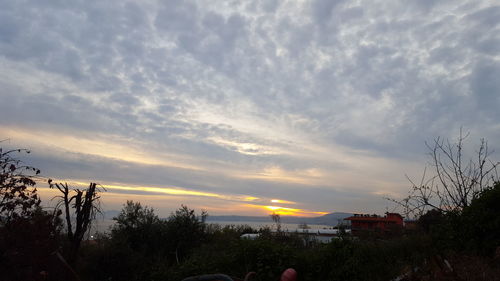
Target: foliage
18, 197
482, 220
29, 235
27, 246
143, 247
185, 231
338, 260
133, 215
140, 229
236, 257
135, 247
476, 229
112, 259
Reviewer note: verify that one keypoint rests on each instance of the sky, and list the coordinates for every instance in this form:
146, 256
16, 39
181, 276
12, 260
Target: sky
246, 107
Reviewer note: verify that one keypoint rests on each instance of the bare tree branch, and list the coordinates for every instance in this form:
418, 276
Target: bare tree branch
458, 181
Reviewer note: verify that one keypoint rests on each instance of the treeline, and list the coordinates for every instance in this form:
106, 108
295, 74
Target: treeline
452, 246
450, 243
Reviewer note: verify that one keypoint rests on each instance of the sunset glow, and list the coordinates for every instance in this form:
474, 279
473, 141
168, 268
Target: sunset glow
292, 212
255, 139
282, 201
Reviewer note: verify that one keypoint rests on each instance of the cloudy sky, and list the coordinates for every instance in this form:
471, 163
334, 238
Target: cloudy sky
244, 107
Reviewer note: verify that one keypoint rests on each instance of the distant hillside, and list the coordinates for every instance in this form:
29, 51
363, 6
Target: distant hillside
110, 214
331, 219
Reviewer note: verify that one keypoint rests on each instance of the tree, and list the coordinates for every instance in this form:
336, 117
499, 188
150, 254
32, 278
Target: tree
83, 206
140, 229
18, 195
480, 223
133, 215
28, 234
186, 230
456, 181
27, 246
277, 220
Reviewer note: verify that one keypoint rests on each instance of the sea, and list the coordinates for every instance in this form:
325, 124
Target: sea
259, 225
104, 226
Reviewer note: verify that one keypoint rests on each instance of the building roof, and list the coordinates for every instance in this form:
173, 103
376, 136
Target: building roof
375, 218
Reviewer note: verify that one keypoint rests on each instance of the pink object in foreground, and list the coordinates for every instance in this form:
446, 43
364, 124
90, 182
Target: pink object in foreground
289, 275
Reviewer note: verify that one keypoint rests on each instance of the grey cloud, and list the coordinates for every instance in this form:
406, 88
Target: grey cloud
270, 6
352, 13
380, 77
322, 10
485, 86
61, 164
44, 109
9, 26
212, 43
447, 55
72, 99
424, 5
125, 99
488, 45
92, 168
487, 17
178, 16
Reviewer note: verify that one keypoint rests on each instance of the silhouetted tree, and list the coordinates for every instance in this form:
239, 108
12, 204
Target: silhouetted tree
133, 215
456, 181
139, 228
18, 196
27, 246
480, 223
186, 230
80, 210
29, 235
277, 220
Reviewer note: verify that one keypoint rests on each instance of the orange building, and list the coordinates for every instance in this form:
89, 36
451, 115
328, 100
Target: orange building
362, 222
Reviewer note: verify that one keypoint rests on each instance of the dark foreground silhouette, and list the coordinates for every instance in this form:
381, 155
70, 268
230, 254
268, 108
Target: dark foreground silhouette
287, 275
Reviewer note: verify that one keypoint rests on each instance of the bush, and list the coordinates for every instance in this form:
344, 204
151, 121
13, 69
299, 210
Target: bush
27, 246
185, 231
481, 222
476, 229
18, 196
